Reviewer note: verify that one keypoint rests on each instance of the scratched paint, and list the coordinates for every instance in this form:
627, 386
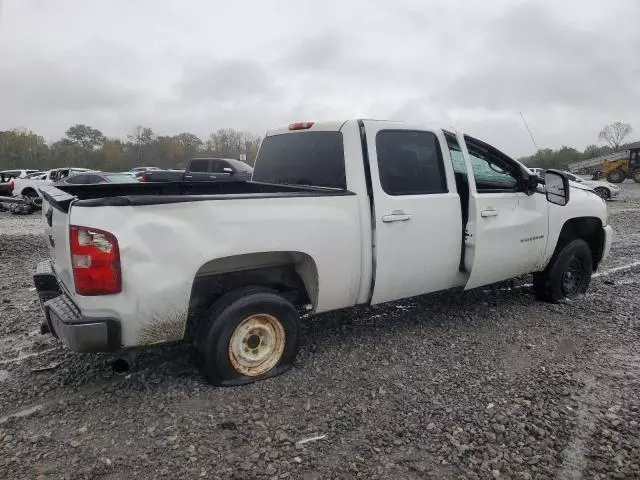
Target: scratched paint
166, 327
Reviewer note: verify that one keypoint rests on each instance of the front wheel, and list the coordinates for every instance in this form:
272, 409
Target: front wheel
251, 334
602, 192
568, 274
636, 175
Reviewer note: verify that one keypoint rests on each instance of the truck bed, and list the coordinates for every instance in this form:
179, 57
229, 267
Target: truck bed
134, 194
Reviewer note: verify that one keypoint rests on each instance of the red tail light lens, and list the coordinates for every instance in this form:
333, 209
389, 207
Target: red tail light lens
143, 177
300, 125
95, 259
11, 185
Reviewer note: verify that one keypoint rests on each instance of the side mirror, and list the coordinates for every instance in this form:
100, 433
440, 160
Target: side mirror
557, 186
228, 170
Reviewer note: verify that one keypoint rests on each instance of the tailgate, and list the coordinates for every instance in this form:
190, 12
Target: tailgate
56, 206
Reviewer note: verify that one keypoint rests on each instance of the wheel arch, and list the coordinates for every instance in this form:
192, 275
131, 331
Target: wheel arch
588, 229
294, 275
29, 190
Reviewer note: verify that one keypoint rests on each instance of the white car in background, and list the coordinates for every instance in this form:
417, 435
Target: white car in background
30, 186
16, 173
605, 190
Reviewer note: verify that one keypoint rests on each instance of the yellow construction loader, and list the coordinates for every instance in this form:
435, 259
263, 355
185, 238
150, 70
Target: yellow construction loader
617, 170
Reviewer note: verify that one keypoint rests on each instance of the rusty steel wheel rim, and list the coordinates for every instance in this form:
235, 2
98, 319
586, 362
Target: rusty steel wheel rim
256, 344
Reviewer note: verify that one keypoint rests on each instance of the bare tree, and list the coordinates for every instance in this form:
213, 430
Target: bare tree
228, 142
615, 133
142, 138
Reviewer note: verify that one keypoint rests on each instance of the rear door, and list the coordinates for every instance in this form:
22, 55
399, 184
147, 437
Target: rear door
417, 212
199, 170
506, 233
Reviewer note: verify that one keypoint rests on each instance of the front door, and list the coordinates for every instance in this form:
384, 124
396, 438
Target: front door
218, 171
506, 234
417, 214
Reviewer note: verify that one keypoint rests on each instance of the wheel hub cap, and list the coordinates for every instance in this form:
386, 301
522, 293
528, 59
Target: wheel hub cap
257, 344
572, 277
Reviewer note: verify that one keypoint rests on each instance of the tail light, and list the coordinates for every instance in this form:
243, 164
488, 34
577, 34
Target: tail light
143, 177
95, 259
300, 125
11, 185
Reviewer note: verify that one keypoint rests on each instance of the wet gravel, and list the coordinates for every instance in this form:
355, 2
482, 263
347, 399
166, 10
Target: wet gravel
480, 384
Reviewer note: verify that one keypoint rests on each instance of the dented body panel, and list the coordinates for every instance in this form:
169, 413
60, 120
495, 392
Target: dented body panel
164, 247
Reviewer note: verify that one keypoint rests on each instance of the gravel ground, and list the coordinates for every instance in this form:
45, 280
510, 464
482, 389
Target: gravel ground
480, 384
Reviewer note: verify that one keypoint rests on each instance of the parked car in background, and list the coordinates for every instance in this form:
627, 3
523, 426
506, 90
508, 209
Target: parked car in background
96, 177
203, 170
30, 185
137, 171
6, 184
16, 173
604, 189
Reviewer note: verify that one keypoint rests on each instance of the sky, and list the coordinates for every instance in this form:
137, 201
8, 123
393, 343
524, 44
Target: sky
570, 67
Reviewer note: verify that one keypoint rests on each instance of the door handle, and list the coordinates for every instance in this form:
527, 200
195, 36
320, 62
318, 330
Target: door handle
188, 176
396, 216
212, 176
489, 212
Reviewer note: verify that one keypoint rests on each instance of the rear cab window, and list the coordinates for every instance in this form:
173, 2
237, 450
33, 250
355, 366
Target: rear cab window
302, 158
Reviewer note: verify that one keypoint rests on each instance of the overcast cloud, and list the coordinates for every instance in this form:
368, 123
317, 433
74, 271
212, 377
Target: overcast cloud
570, 66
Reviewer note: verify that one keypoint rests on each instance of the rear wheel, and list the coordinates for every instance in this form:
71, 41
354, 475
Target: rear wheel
636, 175
616, 176
251, 334
568, 274
602, 192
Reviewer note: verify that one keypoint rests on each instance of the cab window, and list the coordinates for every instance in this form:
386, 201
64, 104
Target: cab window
491, 168
410, 162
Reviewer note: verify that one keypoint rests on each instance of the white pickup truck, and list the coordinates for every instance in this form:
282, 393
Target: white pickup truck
337, 214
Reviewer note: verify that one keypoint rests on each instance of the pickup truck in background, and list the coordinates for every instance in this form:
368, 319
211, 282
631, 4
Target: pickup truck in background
337, 214
30, 185
202, 170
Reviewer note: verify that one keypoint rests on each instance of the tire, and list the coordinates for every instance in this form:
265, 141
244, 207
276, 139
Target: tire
236, 328
602, 192
636, 175
30, 193
616, 176
559, 280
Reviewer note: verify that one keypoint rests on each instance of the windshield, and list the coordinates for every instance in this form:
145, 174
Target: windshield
240, 166
121, 178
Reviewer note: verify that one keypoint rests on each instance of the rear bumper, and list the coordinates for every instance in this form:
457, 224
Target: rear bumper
65, 320
608, 237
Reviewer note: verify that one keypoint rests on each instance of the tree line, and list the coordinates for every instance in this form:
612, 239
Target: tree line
612, 135
85, 146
